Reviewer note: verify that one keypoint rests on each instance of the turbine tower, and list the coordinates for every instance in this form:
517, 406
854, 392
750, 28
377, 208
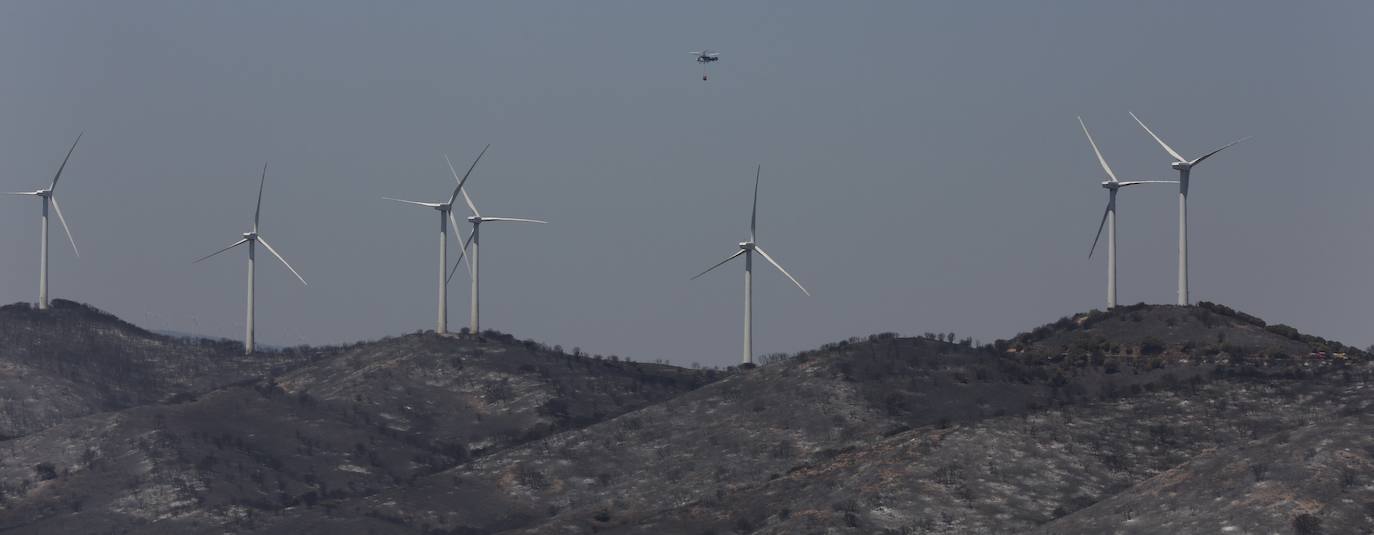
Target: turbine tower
1183, 166
46, 195
445, 210
1109, 216
747, 249
476, 219
252, 239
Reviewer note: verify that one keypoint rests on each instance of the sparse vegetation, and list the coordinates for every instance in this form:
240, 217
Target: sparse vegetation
875, 434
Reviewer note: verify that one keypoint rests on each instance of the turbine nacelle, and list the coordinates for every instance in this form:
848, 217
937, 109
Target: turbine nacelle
250, 236
747, 245
474, 219
1181, 166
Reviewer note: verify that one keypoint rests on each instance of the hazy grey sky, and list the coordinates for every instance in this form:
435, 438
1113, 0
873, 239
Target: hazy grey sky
922, 167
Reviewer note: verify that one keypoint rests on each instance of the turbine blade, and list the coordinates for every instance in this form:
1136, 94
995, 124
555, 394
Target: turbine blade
1134, 182
521, 220
19, 193
463, 250
453, 271
58, 209
64, 162
754, 216
779, 266
1209, 155
257, 211
417, 203
1166, 146
283, 260
1099, 228
722, 262
1100, 159
235, 244
455, 264
471, 206
462, 181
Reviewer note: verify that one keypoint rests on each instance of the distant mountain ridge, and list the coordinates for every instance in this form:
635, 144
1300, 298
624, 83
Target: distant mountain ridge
1067, 426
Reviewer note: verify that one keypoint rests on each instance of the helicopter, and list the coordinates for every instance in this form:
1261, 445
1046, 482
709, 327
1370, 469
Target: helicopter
705, 57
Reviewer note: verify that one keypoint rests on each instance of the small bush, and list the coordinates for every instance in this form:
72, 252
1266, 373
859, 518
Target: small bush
1284, 331
1306, 524
45, 471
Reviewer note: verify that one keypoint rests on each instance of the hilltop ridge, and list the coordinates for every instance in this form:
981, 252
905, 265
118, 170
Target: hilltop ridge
74, 359
341, 422
1206, 329
883, 434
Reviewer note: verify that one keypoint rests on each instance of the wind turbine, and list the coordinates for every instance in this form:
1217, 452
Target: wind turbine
1183, 166
47, 196
1109, 216
747, 249
471, 257
445, 210
252, 239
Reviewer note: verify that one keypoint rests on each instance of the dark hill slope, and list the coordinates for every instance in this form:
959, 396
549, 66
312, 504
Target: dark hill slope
428, 434
374, 417
742, 432
1012, 474
214, 464
487, 395
1312, 479
762, 425
72, 360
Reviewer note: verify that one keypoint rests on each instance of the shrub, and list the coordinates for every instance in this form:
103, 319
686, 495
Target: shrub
45, 471
1349, 479
1284, 331
1306, 524
784, 449
531, 477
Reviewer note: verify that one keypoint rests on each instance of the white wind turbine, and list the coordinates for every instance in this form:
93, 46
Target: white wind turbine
1183, 166
1109, 216
252, 239
445, 210
747, 249
47, 196
473, 240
